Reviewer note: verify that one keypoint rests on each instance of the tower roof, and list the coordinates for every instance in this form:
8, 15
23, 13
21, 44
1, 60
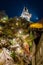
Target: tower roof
25, 9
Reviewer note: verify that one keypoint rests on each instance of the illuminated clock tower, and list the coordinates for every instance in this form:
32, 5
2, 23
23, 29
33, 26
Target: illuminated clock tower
25, 14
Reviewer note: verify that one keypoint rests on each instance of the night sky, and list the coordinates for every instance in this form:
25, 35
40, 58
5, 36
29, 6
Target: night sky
15, 7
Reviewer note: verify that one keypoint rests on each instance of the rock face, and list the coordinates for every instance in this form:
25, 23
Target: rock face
33, 53
37, 58
25, 14
39, 52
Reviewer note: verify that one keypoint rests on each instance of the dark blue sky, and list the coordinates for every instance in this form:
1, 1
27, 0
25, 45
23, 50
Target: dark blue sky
15, 7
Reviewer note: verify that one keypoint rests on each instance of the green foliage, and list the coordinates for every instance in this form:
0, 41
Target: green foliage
11, 30
13, 55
